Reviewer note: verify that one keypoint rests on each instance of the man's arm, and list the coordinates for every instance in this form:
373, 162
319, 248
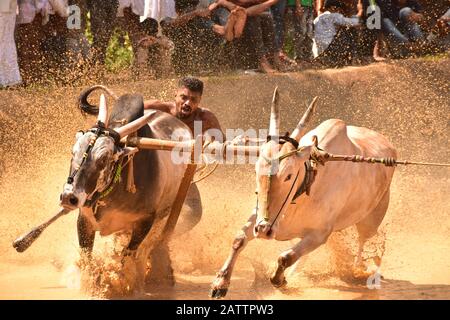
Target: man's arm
257, 9
341, 20
158, 105
319, 6
185, 18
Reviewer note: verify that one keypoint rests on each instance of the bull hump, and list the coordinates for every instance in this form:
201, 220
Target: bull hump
164, 125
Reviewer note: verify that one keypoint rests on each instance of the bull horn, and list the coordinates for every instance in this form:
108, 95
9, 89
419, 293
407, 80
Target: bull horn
134, 125
300, 130
103, 111
275, 114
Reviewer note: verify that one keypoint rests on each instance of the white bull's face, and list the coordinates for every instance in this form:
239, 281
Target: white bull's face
277, 182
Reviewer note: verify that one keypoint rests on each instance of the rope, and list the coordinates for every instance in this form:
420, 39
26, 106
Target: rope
115, 180
388, 162
216, 164
131, 186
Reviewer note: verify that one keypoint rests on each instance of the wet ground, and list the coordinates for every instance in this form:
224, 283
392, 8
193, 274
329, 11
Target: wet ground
408, 101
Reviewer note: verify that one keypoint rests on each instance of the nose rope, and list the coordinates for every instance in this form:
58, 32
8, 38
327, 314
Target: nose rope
284, 202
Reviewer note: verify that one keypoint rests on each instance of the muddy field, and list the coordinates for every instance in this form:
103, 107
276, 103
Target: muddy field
408, 101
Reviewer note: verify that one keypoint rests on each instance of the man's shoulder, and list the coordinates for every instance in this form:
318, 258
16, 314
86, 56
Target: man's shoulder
205, 112
208, 118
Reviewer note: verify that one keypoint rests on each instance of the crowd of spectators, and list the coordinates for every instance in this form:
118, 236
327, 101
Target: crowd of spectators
37, 36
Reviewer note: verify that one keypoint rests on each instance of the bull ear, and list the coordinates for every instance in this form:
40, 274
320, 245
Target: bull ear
305, 150
78, 135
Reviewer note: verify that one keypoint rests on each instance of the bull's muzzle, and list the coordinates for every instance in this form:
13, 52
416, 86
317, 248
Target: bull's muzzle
68, 199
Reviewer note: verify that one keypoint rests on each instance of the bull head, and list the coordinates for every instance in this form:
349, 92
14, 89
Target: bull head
95, 159
280, 171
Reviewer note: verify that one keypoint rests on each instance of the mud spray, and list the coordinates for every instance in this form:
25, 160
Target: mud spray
408, 101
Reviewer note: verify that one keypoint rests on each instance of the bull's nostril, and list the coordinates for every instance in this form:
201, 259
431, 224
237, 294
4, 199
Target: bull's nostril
73, 200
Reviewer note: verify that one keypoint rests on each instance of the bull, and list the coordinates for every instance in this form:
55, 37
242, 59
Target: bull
299, 198
99, 186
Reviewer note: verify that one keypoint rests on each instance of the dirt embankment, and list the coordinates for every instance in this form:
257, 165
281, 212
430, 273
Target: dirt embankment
408, 101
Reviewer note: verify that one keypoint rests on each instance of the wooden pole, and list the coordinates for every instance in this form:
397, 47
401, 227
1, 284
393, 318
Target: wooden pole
214, 148
182, 192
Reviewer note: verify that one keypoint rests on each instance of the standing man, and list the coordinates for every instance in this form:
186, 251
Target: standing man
9, 69
103, 20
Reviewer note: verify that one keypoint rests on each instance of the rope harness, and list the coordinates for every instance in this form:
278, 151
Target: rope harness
319, 157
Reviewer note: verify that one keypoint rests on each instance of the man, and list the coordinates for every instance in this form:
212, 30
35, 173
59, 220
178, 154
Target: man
9, 69
196, 45
186, 107
103, 20
334, 36
408, 14
254, 23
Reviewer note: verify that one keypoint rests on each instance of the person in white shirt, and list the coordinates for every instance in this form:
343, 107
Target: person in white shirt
333, 36
9, 69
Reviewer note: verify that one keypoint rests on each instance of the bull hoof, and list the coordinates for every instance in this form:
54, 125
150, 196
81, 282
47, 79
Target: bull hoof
278, 283
218, 293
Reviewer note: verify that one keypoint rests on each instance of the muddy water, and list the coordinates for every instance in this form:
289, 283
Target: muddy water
407, 101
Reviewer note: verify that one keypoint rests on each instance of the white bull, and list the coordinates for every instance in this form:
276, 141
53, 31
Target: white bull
343, 194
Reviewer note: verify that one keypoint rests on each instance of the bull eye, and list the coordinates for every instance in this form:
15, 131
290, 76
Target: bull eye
288, 177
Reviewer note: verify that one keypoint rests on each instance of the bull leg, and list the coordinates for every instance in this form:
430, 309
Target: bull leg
367, 228
133, 269
86, 233
308, 244
161, 266
220, 285
140, 231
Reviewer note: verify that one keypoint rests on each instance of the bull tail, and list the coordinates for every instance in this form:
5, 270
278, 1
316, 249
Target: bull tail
84, 104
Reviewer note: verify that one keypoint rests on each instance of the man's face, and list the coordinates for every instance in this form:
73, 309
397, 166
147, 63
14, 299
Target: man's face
186, 102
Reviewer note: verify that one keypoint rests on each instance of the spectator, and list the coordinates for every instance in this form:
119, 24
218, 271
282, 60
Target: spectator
397, 41
230, 19
278, 13
237, 11
257, 42
151, 49
408, 14
9, 69
334, 39
41, 37
440, 35
103, 18
305, 12
196, 45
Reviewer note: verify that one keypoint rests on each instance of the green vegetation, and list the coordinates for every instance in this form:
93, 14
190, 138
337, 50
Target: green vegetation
119, 55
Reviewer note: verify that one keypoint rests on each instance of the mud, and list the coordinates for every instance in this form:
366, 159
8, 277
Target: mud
408, 101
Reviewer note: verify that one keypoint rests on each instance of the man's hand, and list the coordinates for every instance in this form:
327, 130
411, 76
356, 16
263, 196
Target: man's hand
299, 9
204, 13
147, 41
360, 9
417, 17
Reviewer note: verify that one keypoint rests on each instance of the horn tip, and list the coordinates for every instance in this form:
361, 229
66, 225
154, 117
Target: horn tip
276, 95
